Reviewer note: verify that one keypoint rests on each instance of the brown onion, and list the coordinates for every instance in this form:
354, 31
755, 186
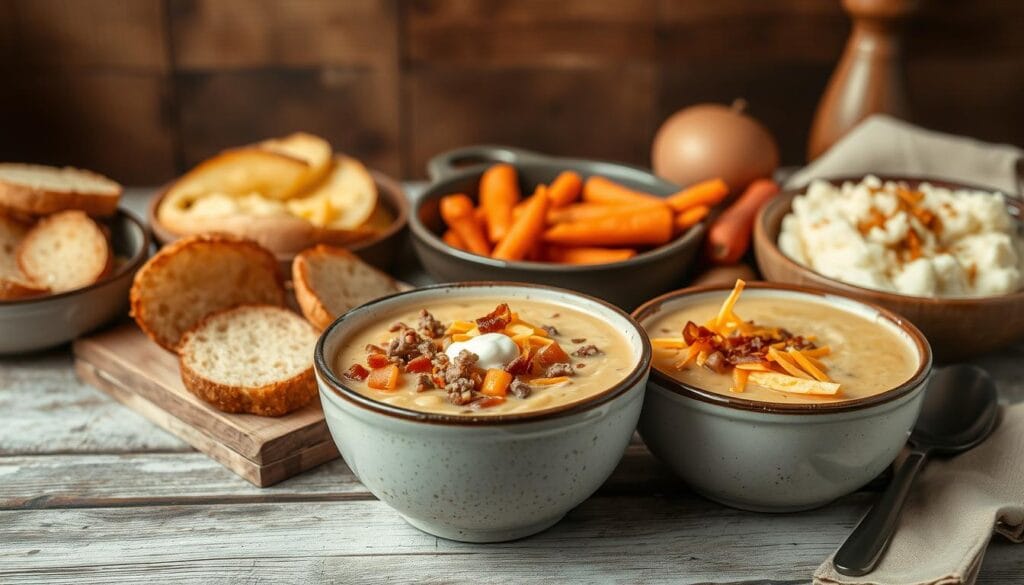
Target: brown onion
706, 141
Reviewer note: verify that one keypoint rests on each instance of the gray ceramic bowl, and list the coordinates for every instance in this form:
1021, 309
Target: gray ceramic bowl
481, 479
38, 323
625, 284
776, 457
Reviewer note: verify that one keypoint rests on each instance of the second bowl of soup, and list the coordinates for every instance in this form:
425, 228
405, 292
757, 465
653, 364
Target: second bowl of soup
776, 398
483, 411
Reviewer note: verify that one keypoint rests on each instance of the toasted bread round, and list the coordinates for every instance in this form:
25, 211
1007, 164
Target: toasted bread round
253, 358
41, 190
65, 251
331, 281
199, 275
13, 282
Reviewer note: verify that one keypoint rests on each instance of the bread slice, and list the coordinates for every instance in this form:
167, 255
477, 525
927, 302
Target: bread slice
41, 190
13, 282
236, 173
199, 275
315, 151
344, 200
253, 358
65, 251
331, 281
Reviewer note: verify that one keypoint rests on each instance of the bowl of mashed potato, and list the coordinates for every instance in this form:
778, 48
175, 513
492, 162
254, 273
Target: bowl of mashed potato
948, 256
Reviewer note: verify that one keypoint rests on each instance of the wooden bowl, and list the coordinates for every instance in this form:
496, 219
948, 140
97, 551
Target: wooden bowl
956, 328
380, 250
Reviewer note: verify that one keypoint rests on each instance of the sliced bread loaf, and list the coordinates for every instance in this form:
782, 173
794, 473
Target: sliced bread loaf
199, 275
331, 281
13, 282
253, 358
65, 251
41, 190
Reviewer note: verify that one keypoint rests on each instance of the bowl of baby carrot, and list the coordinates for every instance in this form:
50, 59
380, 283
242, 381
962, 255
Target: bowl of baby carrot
610, 230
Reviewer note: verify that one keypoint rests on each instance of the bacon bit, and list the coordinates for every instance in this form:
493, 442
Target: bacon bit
876, 219
521, 364
419, 365
496, 320
377, 360
357, 372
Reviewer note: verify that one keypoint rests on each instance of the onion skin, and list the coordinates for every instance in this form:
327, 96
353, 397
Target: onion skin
708, 141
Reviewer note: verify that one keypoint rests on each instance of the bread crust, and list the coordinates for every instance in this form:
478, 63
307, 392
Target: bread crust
13, 290
39, 230
311, 304
137, 295
40, 201
276, 399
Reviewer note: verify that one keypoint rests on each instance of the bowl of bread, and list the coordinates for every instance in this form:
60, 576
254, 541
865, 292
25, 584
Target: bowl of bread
286, 194
220, 304
67, 254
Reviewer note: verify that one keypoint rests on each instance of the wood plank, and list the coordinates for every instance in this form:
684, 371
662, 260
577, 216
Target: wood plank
532, 33
82, 481
628, 539
548, 110
112, 122
104, 34
355, 108
220, 34
47, 410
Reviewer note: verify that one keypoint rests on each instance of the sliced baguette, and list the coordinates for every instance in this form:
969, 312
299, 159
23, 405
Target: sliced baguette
41, 190
199, 275
331, 281
256, 359
13, 282
344, 200
315, 151
65, 251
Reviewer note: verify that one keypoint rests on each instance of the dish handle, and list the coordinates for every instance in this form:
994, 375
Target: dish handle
447, 163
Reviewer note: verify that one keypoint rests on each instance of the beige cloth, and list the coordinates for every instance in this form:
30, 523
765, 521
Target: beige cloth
884, 145
950, 515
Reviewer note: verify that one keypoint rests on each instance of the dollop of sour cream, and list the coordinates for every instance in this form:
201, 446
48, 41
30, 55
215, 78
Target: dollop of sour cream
495, 350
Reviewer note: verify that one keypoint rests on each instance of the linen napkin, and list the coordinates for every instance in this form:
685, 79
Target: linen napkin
884, 145
951, 513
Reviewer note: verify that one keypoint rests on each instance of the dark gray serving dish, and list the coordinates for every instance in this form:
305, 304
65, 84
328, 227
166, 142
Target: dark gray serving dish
626, 284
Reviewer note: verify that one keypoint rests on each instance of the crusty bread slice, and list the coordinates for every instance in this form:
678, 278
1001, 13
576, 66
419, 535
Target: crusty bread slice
13, 282
253, 358
314, 150
331, 281
65, 251
41, 190
345, 199
199, 275
236, 173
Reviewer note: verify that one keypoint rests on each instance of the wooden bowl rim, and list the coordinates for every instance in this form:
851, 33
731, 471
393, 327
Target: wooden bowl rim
766, 243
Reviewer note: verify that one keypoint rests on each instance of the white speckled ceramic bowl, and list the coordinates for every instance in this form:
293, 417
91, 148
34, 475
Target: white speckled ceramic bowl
487, 478
775, 457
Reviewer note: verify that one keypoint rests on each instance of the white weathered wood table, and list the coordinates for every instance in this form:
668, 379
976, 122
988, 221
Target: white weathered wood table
90, 492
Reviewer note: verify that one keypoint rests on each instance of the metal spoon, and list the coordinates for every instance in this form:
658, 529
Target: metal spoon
960, 410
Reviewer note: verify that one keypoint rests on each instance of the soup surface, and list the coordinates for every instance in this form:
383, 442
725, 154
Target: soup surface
864, 357
533, 357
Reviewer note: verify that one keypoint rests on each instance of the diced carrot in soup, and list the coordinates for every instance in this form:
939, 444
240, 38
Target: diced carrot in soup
385, 378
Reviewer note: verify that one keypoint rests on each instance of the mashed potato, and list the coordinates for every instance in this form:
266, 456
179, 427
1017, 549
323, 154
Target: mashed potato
931, 242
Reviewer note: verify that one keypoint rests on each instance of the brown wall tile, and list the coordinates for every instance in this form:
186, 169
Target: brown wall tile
209, 34
355, 109
126, 34
600, 113
113, 123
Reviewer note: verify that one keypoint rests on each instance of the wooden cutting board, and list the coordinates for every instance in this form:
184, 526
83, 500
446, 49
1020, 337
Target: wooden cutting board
138, 373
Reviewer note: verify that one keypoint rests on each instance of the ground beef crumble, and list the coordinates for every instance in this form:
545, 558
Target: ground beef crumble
460, 391
430, 327
586, 351
559, 369
424, 383
551, 330
404, 346
578, 340
519, 389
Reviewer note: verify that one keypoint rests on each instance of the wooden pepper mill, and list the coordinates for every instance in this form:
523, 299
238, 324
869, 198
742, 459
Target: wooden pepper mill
870, 77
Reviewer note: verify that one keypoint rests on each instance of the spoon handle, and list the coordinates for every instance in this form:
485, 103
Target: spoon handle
862, 550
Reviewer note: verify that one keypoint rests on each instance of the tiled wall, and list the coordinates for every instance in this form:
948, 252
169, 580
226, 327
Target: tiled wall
140, 89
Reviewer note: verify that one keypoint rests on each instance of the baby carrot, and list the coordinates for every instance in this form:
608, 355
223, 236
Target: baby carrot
588, 255
691, 217
565, 188
457, 211
524, 233
499, 193
729, 234
588, 211
454, 240
602, 190
709, 193
650, 225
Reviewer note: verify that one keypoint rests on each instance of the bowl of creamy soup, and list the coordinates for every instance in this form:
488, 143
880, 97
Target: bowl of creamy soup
483, 412
777, 398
